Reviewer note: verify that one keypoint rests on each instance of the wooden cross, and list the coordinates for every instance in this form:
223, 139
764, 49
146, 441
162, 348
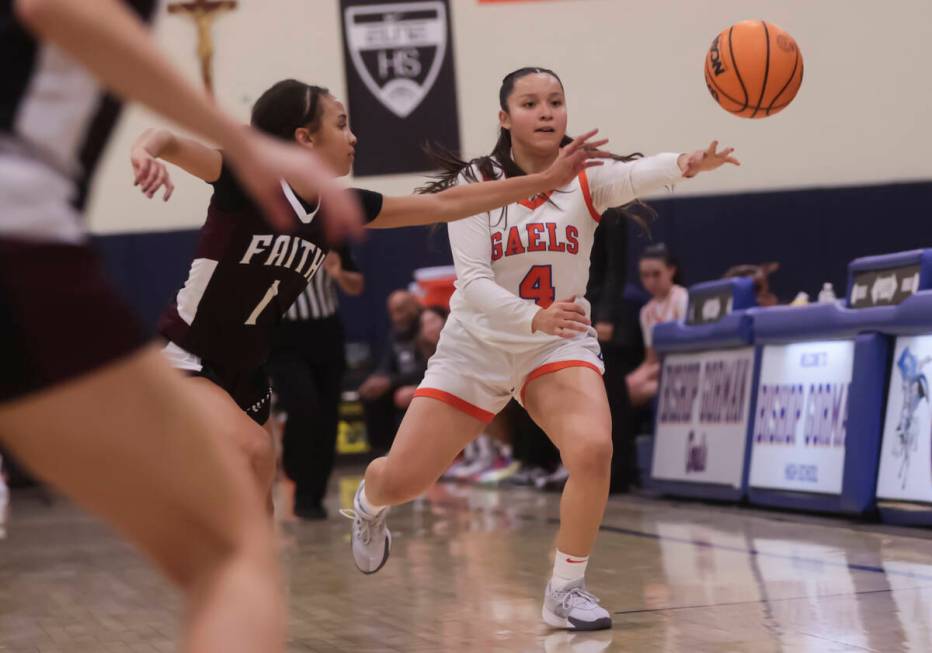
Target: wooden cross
204, 12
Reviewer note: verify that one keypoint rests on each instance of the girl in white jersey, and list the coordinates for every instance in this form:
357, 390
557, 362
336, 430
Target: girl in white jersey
519, 327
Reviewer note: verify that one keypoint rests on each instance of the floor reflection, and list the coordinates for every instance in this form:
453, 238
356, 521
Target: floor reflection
468, 571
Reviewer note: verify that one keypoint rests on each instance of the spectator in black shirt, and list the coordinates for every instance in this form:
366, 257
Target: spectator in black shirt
400, 361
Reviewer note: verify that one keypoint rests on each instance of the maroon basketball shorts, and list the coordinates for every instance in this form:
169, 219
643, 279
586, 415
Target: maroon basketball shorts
59, 317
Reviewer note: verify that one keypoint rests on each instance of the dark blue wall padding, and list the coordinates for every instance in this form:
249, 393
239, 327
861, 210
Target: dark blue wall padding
814, 233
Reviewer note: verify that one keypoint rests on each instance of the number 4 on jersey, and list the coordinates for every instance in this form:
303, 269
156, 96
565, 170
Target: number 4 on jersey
538, 285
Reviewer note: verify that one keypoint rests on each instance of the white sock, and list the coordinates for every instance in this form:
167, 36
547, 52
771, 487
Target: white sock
567, 568
484, 445
367, 506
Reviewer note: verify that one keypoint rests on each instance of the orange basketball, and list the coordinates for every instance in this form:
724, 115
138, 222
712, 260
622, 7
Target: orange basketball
753, 69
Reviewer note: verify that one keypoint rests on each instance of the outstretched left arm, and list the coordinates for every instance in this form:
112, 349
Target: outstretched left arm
619, 183
472, 199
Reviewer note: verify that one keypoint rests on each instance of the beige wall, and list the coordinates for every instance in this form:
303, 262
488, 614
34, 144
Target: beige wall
633, 69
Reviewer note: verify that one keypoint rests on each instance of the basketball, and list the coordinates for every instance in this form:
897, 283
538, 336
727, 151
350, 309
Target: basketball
753, 69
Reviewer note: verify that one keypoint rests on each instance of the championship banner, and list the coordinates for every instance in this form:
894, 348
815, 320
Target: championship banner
800, 422
400, 82
702, 416
906, 452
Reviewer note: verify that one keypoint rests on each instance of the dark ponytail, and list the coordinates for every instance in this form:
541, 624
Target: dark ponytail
287, 106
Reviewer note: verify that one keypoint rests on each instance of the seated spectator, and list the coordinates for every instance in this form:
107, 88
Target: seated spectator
761, 277
400, 362
431, 324
661, 278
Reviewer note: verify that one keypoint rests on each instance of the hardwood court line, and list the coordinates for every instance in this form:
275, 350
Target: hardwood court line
851, 566
768, 600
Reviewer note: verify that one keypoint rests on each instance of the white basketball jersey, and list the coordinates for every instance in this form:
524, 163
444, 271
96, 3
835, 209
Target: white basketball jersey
537, 250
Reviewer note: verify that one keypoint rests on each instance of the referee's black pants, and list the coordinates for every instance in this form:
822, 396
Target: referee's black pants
307, 367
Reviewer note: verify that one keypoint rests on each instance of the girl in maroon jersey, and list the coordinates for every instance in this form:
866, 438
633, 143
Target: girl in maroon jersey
245, 276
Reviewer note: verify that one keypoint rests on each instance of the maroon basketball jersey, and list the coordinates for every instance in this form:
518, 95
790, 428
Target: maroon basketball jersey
245, 275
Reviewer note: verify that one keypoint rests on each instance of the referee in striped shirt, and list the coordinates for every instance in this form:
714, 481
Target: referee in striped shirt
307, 365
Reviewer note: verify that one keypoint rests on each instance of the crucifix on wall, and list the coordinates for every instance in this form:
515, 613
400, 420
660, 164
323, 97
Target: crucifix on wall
204, 12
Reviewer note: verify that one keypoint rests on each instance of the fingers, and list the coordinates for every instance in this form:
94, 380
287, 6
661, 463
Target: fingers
580, 326
571, 315
169, 189
580, 140
142, 171
595, 145
155, 180
712, 147
155, 170
568, 307
569, 330
595, 154
589, 158
726, 154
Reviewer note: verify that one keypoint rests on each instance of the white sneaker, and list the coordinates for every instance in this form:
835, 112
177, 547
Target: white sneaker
503, 469
372, 541
553, 482
573, 608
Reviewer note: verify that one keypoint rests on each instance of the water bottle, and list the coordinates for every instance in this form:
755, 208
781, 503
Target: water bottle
4, 502
827, 294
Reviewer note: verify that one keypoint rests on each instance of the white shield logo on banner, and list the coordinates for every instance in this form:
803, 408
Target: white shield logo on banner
400, 35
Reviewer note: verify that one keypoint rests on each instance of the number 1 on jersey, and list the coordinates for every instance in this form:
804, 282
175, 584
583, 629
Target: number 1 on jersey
269, 294
538, 285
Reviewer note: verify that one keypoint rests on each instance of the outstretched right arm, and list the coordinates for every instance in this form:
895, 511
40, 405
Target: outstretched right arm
125, 59
188, 154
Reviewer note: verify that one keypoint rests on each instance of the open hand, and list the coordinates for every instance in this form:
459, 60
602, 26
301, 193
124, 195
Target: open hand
706, 160
564, 318
582, 153
150, 174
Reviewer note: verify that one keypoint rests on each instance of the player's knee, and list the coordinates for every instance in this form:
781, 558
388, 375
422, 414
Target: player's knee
396, 486
214, 544
590, 454
256, 446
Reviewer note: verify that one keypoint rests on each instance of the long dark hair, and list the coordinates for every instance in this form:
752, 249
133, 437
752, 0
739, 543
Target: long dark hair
499, 159
660, 252
287, 106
